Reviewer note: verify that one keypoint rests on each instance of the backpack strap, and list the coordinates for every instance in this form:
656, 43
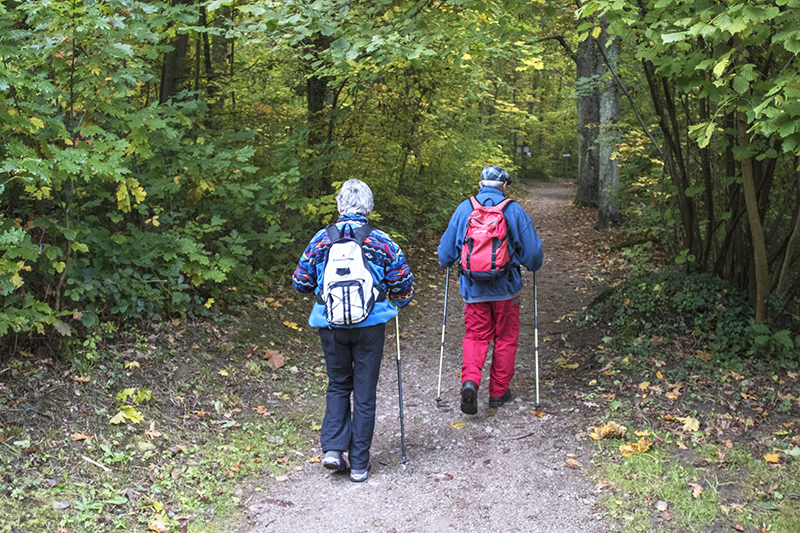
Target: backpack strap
504, 204
474, 202
335, 235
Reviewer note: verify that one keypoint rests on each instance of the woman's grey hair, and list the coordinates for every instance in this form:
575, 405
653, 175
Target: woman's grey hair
355, 198
495, 184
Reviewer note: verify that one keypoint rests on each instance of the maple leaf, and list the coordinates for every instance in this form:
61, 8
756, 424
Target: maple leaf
772, 458
697, 490
274, 358
644, 385
79, 436
262, 410
689, 423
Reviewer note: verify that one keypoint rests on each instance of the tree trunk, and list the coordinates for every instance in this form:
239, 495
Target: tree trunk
608, 214
756, 231
586, 64
173, 69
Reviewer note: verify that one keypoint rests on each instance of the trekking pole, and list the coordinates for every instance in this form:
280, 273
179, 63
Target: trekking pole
441, 351
403, 461
536, 335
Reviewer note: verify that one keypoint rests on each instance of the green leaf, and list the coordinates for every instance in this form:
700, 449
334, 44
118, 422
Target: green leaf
740, 85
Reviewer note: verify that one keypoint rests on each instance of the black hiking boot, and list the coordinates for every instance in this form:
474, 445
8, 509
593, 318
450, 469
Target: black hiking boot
498, 401
469, 397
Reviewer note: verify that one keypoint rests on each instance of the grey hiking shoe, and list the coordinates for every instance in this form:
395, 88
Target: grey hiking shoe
469, 397
360, 475
334, 460
497, 401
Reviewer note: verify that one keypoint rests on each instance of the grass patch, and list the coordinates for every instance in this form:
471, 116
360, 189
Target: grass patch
203, 412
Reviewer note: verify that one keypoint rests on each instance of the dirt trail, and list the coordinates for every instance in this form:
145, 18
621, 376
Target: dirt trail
505, 470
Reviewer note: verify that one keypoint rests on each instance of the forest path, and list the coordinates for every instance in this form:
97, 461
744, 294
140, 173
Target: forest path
505, 469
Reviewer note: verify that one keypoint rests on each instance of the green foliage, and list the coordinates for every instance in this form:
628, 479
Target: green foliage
645, 310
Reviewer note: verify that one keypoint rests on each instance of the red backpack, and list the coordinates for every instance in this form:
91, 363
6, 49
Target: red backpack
485, 256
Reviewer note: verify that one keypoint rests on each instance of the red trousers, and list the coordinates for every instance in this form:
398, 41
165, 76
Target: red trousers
485, 322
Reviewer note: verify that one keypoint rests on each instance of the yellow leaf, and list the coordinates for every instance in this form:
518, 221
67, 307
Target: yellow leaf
314, 459
673, 395
571, 366
132, 364
689, 423
458, 425
611, 429
643, 433
37, 124
635, 448
81, 379
659, 375
79, 436
118, 418
223, 372
573, 463
644, 385
772, 458
123, 200
291, 325
209, 303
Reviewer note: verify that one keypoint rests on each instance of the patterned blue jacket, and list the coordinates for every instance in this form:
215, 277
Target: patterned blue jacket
389, 268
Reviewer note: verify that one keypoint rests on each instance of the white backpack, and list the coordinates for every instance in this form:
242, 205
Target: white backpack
348, 291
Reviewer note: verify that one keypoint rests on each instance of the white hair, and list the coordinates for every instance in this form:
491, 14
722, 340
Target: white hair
355, 198
495, 184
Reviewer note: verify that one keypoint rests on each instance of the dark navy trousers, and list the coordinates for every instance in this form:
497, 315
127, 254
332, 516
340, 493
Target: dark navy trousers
353, 359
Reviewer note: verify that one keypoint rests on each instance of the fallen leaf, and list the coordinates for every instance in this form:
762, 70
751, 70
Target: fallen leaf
152, 433
130, 365
274, 358
772, 458
81, 379
635, 448
611, 429
689, 423
643, 433
572, 463
644, 385
737, 527
223, 372
661, 505
681, 445
60, 505
458, 425
537, 412
665, 516
79, 436
251, 352
314, 459
281, 478
158, 524
697, 490
728, 444
262, 410
290, 325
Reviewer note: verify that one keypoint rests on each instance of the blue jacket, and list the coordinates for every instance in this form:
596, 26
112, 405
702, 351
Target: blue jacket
389, 268
524, 246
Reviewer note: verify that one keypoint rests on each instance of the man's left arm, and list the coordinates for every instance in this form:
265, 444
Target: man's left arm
528, 245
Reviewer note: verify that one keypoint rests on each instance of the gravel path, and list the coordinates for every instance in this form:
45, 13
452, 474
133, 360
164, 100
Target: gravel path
500, 470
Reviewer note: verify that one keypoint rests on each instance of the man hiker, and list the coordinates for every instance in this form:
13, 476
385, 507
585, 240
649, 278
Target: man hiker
490, 237
354, 270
